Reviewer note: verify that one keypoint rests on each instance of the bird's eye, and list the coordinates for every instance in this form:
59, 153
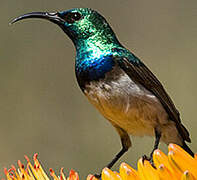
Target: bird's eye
71, 17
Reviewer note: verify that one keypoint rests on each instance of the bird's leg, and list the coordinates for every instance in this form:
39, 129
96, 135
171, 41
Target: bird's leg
157, 139
126, 143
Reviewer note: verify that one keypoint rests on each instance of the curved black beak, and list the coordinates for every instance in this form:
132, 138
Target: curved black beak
53, 17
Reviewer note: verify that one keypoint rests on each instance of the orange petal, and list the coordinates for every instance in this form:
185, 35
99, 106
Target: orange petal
174, 165
146, 171
128, 173
183, 160
73, 175
187, 176
15, 172
195, 156
7, 174
91, 177
160, 158
62, 176
108, 174
52, 173
165, 173
40, 171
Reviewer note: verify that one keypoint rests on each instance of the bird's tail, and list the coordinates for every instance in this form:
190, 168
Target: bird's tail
187, 149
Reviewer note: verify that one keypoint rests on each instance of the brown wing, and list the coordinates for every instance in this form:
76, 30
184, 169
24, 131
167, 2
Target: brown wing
139, 73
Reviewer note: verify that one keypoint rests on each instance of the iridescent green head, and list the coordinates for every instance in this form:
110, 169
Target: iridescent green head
80, 24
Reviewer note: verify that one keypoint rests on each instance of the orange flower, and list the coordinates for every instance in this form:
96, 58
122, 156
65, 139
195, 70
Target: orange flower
178, 165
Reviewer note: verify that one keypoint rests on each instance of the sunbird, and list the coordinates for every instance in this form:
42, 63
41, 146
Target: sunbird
117, 82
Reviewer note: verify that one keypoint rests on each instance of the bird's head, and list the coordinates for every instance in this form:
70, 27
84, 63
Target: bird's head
79, 24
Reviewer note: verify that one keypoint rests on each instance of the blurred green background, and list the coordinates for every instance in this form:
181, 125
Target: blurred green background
41, 106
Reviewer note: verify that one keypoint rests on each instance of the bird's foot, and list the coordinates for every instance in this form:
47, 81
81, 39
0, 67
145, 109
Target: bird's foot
98, 176
150, 159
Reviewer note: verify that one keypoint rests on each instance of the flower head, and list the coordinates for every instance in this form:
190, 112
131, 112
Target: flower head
177, 165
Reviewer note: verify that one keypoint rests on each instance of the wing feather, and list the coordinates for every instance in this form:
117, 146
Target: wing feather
139, 73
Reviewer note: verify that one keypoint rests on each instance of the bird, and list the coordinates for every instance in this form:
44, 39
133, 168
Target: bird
117, 83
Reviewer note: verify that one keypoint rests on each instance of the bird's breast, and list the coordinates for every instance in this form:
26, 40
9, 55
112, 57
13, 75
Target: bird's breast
93, 69
126, 103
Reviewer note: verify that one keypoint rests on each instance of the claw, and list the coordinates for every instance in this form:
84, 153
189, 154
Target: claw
98, 176
150, 159
145, 157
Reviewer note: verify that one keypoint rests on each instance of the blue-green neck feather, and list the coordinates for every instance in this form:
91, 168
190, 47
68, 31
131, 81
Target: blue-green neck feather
94, 55
96, 45
93, 65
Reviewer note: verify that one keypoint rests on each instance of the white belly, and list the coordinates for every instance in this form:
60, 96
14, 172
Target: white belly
128, 105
